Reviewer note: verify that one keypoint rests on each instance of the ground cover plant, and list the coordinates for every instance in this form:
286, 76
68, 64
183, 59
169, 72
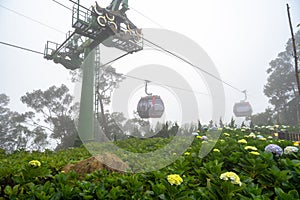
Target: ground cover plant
244, 164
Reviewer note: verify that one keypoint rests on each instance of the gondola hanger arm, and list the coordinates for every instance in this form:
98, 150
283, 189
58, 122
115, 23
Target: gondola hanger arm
245, 92
146, 87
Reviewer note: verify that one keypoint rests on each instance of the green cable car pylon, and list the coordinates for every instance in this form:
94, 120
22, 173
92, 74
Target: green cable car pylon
92, 27
86, 114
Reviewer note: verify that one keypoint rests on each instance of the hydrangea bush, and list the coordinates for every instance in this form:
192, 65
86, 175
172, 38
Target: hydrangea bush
274, 148
233, 169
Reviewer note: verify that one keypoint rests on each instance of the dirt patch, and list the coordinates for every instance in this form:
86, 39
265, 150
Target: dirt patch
106, 161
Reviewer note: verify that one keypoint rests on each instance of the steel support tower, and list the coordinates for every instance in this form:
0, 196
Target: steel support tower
92, 27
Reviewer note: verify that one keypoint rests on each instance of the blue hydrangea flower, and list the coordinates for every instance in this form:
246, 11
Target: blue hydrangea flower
259, 136
213, 128
274, 148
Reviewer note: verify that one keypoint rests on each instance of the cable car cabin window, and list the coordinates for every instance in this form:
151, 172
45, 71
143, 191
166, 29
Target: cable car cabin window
242, 108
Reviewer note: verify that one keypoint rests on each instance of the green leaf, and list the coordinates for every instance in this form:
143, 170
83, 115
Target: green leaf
8, 190
281, 194
87, 197
15, 189
294, 194
114, 192
162, 196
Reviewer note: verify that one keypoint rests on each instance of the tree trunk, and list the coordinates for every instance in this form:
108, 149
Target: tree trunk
103, 118
298, 109
297, 104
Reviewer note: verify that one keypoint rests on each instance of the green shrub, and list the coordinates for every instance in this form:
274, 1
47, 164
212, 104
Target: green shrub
262, 175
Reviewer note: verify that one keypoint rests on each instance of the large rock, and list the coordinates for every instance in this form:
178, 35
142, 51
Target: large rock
106, 161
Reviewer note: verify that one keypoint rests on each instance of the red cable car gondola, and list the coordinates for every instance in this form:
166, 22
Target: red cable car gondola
150, 106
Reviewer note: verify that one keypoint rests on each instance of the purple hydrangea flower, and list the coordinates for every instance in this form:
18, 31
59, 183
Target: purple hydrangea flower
274, 148
204, 137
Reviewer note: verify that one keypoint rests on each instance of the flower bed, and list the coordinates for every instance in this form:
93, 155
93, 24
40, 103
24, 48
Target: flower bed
240, 166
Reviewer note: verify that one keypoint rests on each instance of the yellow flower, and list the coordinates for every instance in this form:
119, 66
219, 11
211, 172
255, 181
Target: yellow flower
254, 153
235, 179
198, 136
242, 141
35, 163
270, 137
174, 179
243, 130
251, 148
227, 134
296, 143
252, 135
204, 142
263, 139
276, 134
187, 153
216, 150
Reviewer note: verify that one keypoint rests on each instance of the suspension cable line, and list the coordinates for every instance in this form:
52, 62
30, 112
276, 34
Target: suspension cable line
31, 19
143, 80
62, 5
162, 84
184, 60
152, 43
19, 47
114, 60
175, 55
188, 62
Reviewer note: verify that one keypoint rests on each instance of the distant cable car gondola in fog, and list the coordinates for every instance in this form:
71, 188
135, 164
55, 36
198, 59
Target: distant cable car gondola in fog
150, 106
243, 108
